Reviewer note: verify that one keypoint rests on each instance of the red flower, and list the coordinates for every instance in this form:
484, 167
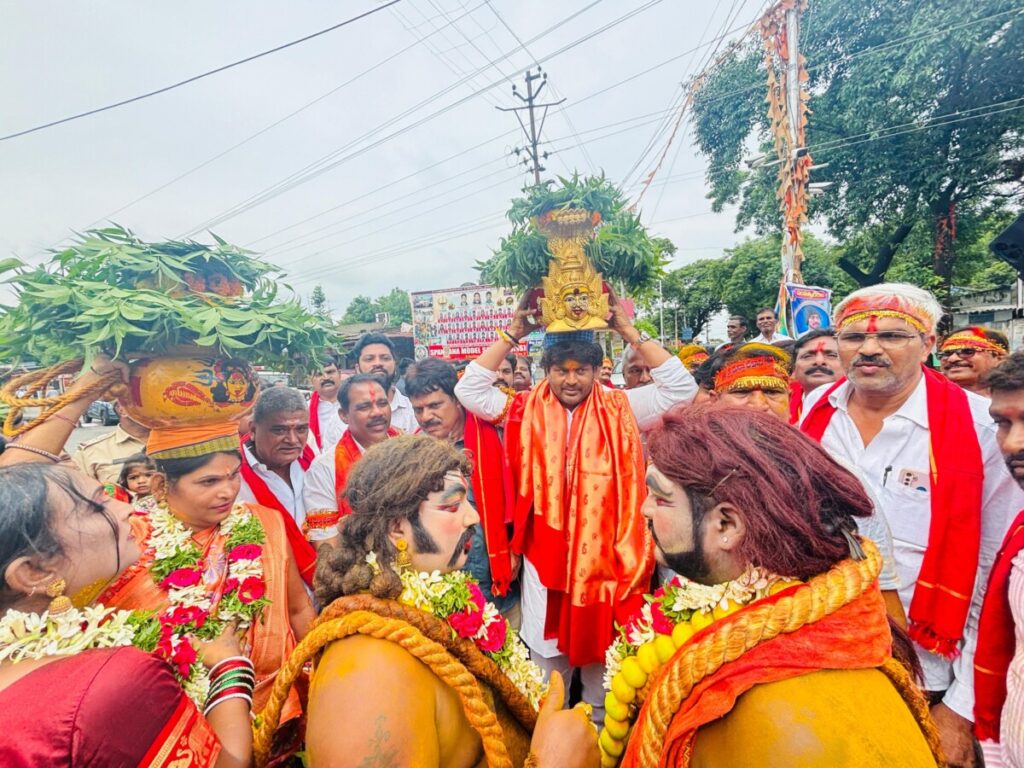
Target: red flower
494, 641
182, 577
467, 623
476, 596
183, 615
660, 622
230, 585
251, 590
184, 657
245, 552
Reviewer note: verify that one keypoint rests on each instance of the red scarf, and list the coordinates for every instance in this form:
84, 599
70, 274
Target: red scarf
796, 401
492, 490
579, 489
942, 596
314, 419
346, 454
305, 555
996, 639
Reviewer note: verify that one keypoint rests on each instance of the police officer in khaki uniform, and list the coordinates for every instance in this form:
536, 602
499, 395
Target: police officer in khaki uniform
103, 457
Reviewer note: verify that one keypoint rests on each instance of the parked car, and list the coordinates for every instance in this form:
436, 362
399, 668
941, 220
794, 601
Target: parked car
101, 411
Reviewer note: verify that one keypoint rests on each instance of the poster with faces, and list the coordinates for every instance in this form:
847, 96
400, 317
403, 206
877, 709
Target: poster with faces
459, 323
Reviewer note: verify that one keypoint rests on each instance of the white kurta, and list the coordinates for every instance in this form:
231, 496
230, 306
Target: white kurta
289, 495
895, 467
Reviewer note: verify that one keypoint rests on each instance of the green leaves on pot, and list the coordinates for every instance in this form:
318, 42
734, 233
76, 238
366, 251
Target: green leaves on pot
111, 291
621, 250
589, 193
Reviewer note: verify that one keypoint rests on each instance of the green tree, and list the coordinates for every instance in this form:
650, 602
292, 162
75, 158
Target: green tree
692, 293
916, 107
318, 302
363, 309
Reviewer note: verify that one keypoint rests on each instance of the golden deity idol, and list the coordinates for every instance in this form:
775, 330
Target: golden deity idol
573, 297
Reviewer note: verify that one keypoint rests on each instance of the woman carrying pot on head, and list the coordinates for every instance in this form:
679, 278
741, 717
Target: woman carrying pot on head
73, 689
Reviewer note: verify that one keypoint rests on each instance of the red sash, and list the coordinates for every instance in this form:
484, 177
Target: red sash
942, 595
492, 489
346, 454
305, 555
996, 639
314, 419
796, 401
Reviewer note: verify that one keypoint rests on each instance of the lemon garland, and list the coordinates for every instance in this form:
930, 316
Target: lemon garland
666, 622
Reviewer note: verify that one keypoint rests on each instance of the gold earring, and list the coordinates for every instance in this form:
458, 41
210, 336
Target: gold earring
60, 602
403, 560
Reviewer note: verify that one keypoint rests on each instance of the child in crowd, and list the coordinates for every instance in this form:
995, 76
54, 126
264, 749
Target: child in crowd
135, 475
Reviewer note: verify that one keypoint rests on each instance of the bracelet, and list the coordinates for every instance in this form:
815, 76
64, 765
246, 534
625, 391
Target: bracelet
38, 451
325, 518
210, 706
234, 661
65, 419
507, 337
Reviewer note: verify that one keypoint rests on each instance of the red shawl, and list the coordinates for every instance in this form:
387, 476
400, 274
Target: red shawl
996, 639
314, 419
942, 596
492, 489
579, 491
347, 453
305, 555
796, 401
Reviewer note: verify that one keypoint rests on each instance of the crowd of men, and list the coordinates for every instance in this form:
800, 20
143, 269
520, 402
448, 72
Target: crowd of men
558, 476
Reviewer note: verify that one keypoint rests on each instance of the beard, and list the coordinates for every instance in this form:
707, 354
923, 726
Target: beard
692, 564
427, 545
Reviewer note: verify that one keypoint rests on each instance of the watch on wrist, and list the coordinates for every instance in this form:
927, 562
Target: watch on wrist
643, 338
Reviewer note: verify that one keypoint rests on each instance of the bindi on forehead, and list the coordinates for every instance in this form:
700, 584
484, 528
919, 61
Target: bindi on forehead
872, 324
820, 347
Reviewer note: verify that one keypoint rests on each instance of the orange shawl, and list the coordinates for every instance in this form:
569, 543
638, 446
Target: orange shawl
269, 641
346, 454
856, 636
578, 513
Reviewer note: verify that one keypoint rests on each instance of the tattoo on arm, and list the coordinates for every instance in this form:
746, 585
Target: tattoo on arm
382, 755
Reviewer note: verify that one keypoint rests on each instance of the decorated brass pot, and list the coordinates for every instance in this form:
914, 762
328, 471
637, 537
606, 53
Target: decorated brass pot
176, 390
573, 296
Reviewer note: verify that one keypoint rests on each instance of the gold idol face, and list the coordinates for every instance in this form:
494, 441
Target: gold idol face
577, 303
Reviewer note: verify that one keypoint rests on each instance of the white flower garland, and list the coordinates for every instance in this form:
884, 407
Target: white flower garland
29, 636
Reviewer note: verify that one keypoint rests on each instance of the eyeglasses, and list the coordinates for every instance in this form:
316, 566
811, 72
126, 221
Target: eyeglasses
965, 353
885, 339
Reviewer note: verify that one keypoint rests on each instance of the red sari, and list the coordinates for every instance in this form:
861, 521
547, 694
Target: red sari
269, 641
103, 709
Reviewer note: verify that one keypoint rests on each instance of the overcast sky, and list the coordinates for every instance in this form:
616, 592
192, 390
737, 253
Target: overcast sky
416, 210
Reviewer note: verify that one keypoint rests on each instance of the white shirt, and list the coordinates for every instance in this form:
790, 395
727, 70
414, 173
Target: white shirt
895, 467
331, 425
672, 384
318, 493
762, 339
476, 391
289, 495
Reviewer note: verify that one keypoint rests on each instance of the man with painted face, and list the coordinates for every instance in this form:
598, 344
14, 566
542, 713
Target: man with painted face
366, 412
968, 354
928, 450
750, 652
575, 453
324, 421
413, 675
430, 385
375, 354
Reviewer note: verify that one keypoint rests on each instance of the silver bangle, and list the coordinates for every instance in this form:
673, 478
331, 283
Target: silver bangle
38, 451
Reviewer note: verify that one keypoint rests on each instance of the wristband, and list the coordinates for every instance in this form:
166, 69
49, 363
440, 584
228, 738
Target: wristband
507, 337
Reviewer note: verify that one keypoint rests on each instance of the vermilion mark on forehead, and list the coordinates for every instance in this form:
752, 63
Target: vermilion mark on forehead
873, 324
571, 367
820, 347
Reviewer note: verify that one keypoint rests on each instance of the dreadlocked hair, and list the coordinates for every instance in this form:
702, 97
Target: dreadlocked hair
796, 501
387, 484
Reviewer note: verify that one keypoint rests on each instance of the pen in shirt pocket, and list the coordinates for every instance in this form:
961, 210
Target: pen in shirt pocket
885, 475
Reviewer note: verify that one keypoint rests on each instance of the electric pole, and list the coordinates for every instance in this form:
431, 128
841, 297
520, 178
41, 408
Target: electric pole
533, 157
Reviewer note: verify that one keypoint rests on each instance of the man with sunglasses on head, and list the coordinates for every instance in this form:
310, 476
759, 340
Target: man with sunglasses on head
928, 451
967, 354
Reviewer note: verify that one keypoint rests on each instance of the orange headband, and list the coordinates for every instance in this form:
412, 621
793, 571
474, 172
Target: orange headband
692, 355
192, 440
752, 373
971, 339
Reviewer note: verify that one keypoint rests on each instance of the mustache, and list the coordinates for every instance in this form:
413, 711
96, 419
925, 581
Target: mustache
461, 546
1015, 458
870, 360
820, 369
376, 421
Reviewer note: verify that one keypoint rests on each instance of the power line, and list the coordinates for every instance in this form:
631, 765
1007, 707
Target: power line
200, 76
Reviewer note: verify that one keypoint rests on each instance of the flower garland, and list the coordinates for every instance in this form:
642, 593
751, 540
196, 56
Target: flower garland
178, 567
669, 618
28, 636
456, 598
